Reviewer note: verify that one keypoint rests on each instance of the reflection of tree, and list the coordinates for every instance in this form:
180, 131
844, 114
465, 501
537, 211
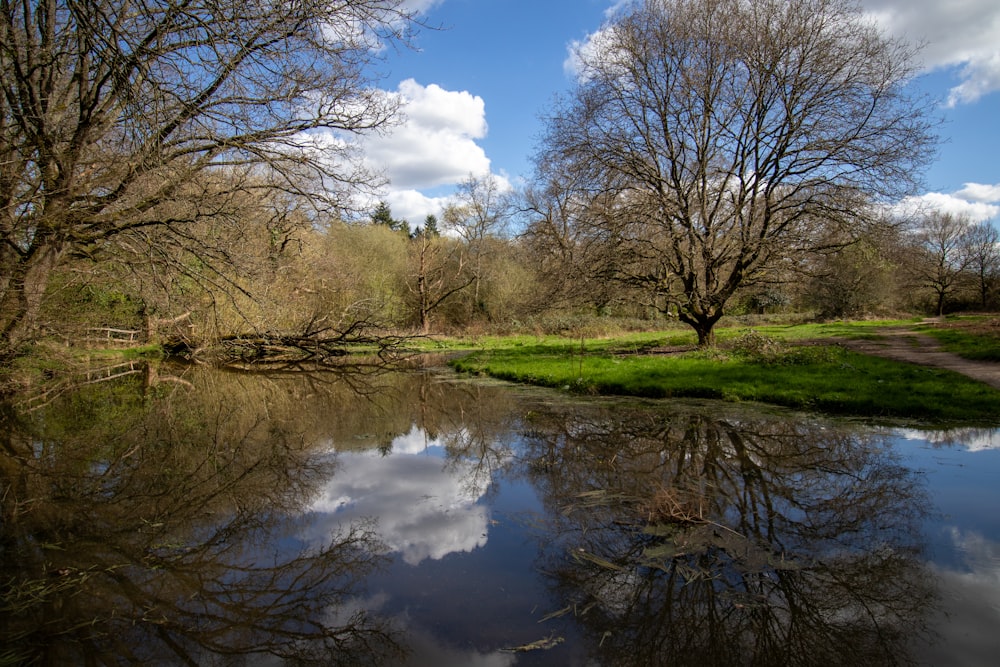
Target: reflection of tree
143, 524
470, 420
689, 539
475, 431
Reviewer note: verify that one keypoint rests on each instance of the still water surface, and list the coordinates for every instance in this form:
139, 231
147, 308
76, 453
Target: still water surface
194, 516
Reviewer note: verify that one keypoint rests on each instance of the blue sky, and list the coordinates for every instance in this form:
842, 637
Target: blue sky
475, 90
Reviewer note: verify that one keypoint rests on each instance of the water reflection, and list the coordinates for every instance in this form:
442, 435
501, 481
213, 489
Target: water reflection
425, 484
427, 511
684, 538
149, 521
198, 516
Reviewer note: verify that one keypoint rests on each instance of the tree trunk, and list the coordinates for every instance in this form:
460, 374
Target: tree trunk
21, 302
706, 335
422, 296
703, 325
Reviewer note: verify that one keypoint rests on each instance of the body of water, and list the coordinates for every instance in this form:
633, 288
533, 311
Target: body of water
182, 515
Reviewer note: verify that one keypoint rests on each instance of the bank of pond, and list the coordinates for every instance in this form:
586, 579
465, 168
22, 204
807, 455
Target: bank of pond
817, 376
181, 514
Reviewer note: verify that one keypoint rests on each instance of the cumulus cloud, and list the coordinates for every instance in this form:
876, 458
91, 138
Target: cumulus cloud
975, 201
579, 52
414, 206
424, 509
432, 147
963, 35
970, 603
435, 142
978, 192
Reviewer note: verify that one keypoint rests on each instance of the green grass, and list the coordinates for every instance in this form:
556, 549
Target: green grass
867, 329
968, 345
640, 341
823, 378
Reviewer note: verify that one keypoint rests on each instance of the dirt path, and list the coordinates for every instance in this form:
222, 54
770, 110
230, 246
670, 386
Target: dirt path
904, 344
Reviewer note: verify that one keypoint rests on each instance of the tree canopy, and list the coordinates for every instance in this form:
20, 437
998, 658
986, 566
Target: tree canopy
112, 114
710, 140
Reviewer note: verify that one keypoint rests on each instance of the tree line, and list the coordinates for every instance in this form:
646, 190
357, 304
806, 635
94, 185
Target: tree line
462, 274
187, 167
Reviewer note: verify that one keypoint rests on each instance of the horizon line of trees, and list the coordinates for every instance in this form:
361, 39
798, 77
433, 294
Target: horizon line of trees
308, 279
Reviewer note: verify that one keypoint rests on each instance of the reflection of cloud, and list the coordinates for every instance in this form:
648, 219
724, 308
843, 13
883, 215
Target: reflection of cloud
983, 558
971, 439
421, 647
414, 442
971, 603
422, 509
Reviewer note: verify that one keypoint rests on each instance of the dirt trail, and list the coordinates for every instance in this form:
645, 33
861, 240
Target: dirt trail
905, 344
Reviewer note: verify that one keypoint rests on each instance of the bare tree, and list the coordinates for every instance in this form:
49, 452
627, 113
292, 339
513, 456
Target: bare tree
438, 272
573, 259
480, 211
983, 246
942, 255
728, 135
108, 109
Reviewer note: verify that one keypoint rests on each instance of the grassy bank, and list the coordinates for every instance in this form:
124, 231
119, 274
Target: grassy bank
975, 337
746, 367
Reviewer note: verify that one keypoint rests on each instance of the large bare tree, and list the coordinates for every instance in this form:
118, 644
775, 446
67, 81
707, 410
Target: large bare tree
111, 109
724, 136
983, 248
942, 255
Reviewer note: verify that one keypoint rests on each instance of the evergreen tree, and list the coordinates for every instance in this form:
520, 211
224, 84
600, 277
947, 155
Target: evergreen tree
383, 216
431, 226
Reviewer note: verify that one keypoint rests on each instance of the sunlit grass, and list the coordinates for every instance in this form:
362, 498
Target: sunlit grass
981, 345
824, 378
680, 337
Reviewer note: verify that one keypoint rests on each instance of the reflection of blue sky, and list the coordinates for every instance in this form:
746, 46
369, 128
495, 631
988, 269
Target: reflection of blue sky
970, 600
423, 509
962, 472
421, 647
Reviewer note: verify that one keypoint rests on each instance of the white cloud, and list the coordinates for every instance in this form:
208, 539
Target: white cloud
424, 508
964, 34
594, 48
975, 201
970, 604
414, 206
980, 193
435, 143
420, 6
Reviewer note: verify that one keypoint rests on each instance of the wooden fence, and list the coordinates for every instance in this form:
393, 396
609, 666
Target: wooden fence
111, 337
